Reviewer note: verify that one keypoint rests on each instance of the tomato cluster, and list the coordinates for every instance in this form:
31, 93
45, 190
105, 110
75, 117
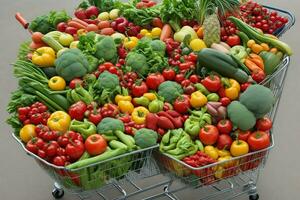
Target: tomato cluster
37, 113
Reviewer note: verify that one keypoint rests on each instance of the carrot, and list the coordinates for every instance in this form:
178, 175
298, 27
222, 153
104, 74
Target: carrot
257, 60
76, 25
200, 32
166, 32
34, 45
92, 27
37, 37
103, 24
252, 66
21, 20
80, 22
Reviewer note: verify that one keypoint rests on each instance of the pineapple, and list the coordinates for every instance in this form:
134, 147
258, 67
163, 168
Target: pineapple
208, 17
212, 29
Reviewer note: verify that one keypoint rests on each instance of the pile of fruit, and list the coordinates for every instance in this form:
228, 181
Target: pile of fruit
118, 77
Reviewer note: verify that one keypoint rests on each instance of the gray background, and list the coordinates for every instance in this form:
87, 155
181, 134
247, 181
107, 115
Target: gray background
21, 178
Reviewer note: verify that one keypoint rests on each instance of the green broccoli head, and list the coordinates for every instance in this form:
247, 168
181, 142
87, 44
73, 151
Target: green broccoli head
170, 90
258, 99
108, 81
106, 49
241, 116
145, 138
158, 46
138, 63
109, 126
41, 24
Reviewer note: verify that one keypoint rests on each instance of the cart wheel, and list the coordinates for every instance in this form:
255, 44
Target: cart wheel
254, 197
58, 193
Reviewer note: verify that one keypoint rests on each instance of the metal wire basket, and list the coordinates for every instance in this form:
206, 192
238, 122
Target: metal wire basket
99, 174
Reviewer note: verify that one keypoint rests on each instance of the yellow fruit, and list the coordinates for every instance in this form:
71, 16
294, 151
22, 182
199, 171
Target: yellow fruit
250, 43
143, 32
197, 44
149, 35
114, 14
156, 32
103, 16
27, 132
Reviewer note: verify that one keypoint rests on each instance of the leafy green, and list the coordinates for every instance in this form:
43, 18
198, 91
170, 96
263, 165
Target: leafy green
24, 49
87, 43
103, 5
15, 123
47, 23
173, 11
141, 17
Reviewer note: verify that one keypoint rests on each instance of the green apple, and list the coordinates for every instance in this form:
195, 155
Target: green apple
65, 39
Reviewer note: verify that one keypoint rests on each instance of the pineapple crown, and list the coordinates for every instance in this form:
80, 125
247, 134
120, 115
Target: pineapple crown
209, 7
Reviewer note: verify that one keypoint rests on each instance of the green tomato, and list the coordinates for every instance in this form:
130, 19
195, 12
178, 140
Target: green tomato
104, 16
65, 39
114, 14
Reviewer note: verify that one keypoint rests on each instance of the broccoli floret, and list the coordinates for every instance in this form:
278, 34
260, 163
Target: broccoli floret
138, 63
170, 90
109, 125
159, 46
145, 138
106, 49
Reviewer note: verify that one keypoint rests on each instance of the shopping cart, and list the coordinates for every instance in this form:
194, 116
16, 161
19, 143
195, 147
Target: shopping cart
117, 178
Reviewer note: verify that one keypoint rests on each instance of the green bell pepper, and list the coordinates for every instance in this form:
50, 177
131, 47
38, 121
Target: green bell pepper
85, 128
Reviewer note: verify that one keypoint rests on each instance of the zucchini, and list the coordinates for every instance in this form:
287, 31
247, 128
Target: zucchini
244, 38
52, 43
54, 34
222, 56
211, 61
259, 38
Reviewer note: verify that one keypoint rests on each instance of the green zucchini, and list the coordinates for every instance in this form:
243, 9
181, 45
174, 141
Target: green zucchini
260, 38
52, 43
212, 61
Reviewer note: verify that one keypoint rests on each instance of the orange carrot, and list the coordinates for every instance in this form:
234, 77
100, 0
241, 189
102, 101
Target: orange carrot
80, 21
252, 66
166, 32
76, 25
21, 20
257, 60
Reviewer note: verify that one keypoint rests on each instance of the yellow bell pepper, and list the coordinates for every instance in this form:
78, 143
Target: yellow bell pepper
139, 115
131, 42
125, 106
150, 96
44, 57
211, 152
233, 90
239, 148
119, 98
223, 153
59, 121
27, 132
198, 99
219, 171
156, 32
57, 83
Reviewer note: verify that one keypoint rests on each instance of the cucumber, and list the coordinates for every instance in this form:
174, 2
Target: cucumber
52, 43
49, 71
226, 58
209, 60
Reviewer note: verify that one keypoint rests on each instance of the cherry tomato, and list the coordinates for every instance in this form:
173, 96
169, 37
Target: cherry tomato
59, 161
75, 149
225, 101
185, 83
23, 110
258, 76
74, 82
243, 135
233, 40
194, 78
179, 78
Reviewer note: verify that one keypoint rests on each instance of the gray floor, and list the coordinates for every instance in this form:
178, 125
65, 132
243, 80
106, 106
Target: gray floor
21, 178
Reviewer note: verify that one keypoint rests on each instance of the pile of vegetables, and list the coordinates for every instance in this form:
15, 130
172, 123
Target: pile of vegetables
120, 77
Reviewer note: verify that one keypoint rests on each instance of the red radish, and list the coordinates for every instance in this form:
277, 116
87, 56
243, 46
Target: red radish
71, 30
62, 26
80, 13
92, 11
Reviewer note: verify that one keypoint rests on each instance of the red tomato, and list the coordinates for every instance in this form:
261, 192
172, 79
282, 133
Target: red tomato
224, 142
169, 74
264, 124
75, 149
179, 78
259, 140
182, 104
139, 88
185, 83
194, 78
59, 161
92, 11
233, 40
154, 80
225, 126
258, 76
80, 13
212, 83
95, 145
156, 22
62, 26
209, 135
225, 101
244, 86
243, 135
23, 110
75, 82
